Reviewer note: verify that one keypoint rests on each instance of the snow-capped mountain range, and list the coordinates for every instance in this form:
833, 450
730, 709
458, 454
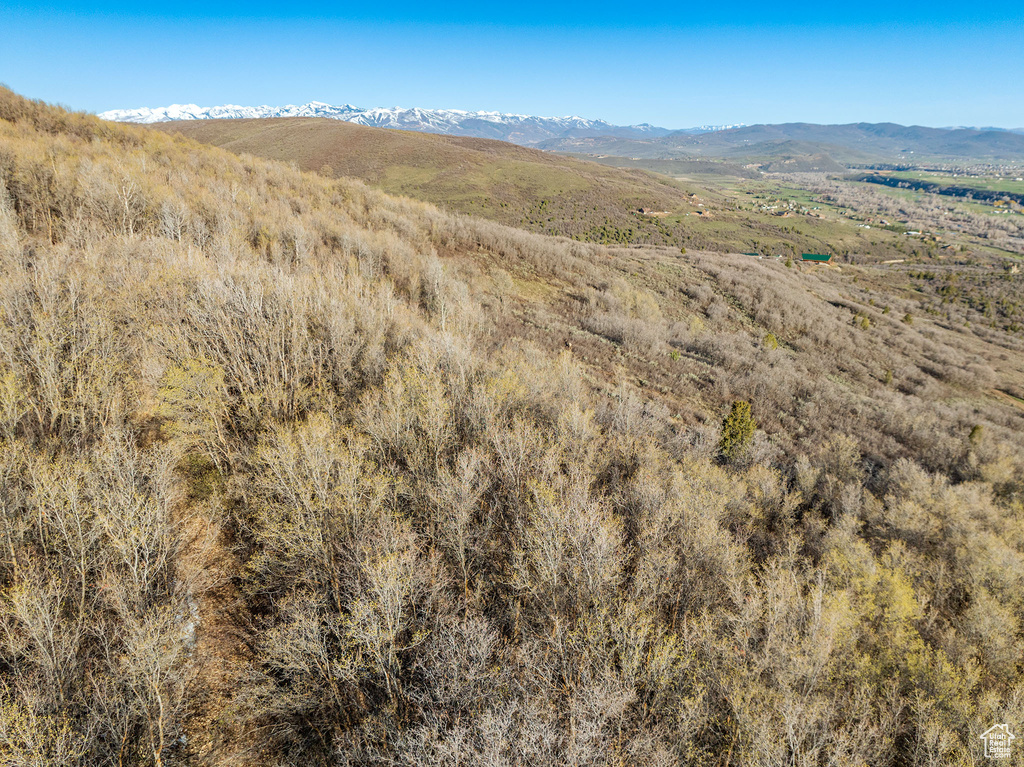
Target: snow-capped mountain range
519, 129
710, 128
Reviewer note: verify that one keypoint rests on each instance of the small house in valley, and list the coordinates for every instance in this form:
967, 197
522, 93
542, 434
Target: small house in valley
818, 258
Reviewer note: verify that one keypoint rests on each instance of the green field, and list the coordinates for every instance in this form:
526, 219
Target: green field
986, 183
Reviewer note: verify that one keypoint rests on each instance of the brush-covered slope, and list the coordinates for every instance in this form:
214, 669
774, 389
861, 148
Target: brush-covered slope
295, 472
504, 182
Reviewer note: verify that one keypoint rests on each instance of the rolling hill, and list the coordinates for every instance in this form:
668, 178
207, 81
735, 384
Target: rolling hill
514, 185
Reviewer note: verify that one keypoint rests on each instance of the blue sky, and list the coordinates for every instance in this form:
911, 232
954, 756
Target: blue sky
668, 63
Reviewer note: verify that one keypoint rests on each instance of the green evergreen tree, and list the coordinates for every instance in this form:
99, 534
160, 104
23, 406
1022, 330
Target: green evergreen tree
737, 431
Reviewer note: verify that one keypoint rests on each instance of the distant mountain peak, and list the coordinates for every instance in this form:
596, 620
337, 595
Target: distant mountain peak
517, 128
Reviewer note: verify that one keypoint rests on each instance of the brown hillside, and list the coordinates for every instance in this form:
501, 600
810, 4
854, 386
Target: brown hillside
511, 184
295, 472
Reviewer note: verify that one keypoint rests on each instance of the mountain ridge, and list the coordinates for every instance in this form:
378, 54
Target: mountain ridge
850, 142
505, 126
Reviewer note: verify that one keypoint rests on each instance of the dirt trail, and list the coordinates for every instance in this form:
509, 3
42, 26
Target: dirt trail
221, 648
1008, 398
